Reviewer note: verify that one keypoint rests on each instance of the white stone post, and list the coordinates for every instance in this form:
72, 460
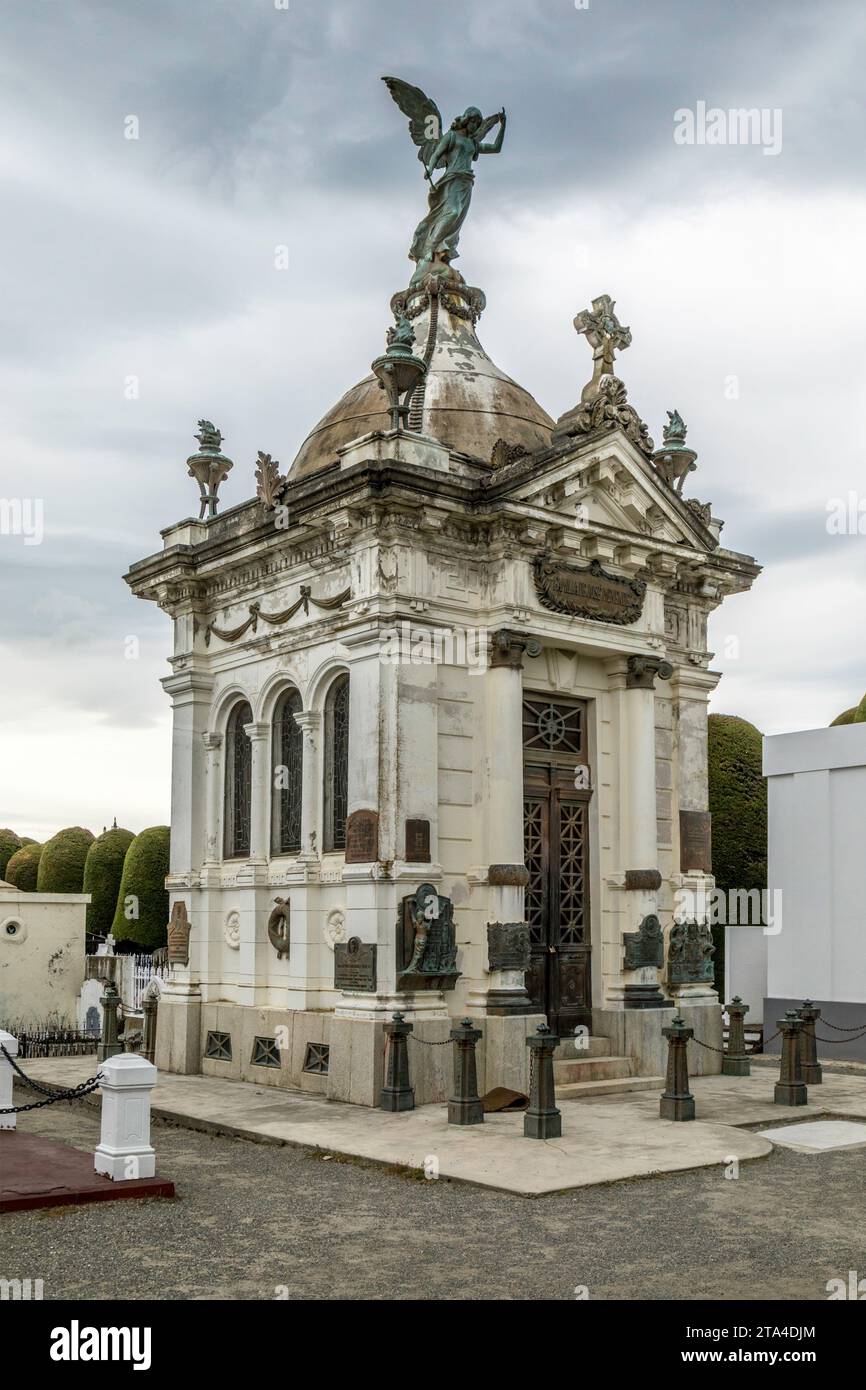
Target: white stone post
6, 1079
260, 796
124, 1149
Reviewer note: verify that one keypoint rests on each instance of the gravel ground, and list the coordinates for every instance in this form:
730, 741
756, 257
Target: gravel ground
251, 1220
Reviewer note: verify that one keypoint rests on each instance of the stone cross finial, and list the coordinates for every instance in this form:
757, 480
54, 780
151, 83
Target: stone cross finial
605, 335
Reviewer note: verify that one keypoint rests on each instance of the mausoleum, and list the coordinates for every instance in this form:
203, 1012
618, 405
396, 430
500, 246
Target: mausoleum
440, 697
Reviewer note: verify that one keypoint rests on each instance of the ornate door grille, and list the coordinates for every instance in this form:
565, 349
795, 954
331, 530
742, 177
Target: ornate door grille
556, 854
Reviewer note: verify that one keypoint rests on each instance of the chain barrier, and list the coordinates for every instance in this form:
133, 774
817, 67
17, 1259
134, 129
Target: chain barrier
838, 1028
446, 1042
84, 1088
709, 1046
833, 1042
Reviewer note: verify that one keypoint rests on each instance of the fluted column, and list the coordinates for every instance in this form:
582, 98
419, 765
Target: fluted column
260, 798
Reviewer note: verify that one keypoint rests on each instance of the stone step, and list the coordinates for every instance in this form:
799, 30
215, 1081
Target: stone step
591, 1069
578, 1090
569, 1050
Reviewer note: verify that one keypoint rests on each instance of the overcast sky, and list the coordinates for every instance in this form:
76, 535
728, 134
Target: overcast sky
740, 272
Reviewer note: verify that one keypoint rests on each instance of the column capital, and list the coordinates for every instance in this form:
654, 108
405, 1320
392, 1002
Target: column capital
188, 686
507, 648
254, 731
308, 718
642, 672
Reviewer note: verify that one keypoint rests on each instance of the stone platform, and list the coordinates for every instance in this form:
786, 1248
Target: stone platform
605, 1138
38, 1172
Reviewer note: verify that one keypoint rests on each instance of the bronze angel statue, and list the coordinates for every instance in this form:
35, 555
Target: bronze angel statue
434, 245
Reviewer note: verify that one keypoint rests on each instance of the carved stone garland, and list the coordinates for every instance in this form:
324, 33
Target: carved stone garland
256, 613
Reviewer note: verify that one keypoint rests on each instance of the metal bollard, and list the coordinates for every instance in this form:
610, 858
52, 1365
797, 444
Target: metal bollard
397, 1094
124, 1149
109, 1046
464, 1107
790, 1088
149, 1006
676, 1101
736, 1059
542, 1120
7, 1078
810, 1067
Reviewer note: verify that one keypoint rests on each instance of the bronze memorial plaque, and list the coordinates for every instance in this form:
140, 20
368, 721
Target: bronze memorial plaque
362, 837
588, 591
417, 841
696, 851
355, 965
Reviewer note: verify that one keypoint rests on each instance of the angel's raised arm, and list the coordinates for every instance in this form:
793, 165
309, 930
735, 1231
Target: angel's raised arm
485, 127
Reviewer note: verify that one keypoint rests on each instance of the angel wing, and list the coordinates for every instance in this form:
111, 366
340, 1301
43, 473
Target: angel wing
425, 122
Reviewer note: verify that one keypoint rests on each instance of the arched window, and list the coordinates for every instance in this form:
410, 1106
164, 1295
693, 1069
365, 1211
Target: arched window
336, 763
287, 753
238, 783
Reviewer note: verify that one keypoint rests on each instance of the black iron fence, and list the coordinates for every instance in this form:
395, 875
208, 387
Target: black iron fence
56, 1042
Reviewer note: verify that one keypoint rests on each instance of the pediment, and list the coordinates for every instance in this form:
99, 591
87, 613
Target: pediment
605, 485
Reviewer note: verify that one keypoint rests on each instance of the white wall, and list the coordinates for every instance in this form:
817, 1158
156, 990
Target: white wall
41, 955
746, 968
817, 830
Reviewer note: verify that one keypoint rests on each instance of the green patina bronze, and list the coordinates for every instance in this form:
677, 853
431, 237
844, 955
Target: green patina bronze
434, 245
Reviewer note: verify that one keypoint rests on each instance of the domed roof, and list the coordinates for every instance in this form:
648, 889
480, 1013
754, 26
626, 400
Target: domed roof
465, 402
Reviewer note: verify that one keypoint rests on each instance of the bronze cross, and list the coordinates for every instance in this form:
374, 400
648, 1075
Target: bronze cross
605, 335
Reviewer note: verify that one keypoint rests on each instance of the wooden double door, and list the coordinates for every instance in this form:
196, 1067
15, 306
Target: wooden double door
557, 792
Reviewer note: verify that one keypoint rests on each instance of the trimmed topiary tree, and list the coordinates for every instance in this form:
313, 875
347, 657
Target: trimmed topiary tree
61, 868
23, 868
141, 915
860, 712
9, 843
738, 803
846, 717
103, 870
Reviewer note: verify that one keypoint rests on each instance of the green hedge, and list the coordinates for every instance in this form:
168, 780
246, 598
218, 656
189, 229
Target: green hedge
103, 870
23, 868
738, 804
9, 844
860, 712
143, 881
846, 717
61, 868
